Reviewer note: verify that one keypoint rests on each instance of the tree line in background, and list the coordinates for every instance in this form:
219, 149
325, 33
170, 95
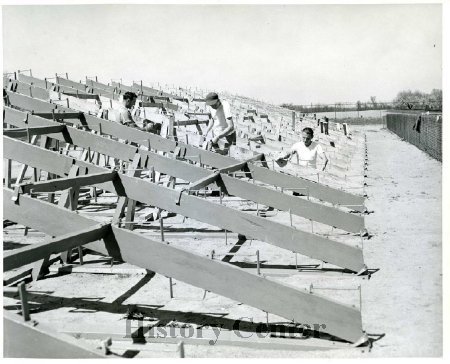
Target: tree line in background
405, 100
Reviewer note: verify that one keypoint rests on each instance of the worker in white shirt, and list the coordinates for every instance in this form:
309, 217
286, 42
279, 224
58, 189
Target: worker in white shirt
306, 151
221, 122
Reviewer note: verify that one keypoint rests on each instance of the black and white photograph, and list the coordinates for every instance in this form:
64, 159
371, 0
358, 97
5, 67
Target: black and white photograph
224, 180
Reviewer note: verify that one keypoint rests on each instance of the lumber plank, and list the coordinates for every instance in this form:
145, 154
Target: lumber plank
298, 206
96, 84
70, 83
32, 253
30, 90
233, 168
69, 182
45, 159
205, 336
315, 189
27, 340
32, 80
37, 130
206, 181
255, 227
29, 103
191, 122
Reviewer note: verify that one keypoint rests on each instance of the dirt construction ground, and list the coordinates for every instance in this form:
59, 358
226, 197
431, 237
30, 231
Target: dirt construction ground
401, 303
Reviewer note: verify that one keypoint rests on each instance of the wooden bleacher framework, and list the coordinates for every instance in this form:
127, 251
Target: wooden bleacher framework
33, 120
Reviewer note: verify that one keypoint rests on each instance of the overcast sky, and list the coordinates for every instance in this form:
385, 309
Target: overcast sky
291, 53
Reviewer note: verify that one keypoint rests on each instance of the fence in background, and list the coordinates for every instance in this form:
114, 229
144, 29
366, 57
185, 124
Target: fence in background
420, 129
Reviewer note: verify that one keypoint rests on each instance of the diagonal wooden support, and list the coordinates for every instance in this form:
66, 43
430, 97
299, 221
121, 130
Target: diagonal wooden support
32, 253
206, 181
333, 317
233, 168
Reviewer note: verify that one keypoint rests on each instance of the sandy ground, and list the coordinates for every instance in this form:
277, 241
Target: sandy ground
401, 303
404, 299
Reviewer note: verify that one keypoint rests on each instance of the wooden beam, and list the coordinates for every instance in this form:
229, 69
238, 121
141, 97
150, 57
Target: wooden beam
27, 89
59, 115
37, 130
70, 83
339, 319
233, 168
32, 253
147, 91
197, 185
28, 103
316, 190
297, 206
32, 80
255, 227
74, 182
28, 340
81, 95
191, 122
199, 209
206, 336
96, 84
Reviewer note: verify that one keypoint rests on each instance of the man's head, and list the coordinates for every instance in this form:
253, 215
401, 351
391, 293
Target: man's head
307, 135
212, 99
129, 99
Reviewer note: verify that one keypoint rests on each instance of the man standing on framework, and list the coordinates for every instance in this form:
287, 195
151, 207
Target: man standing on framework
306, 151
221, 120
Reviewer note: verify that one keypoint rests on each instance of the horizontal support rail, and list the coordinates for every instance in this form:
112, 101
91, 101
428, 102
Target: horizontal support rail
68, 182
32, 253
59, 115
81, 95
37, 130
190, 122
